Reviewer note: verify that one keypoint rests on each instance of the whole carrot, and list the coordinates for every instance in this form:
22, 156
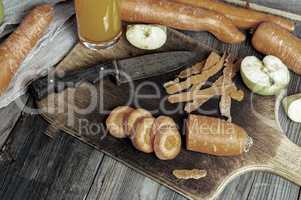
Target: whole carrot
241, 17
182, 17
17, 46
273, 40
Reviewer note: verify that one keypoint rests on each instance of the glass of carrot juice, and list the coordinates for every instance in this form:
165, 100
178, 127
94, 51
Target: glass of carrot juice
98, 22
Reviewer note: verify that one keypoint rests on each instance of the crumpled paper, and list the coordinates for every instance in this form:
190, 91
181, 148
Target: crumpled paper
53, 46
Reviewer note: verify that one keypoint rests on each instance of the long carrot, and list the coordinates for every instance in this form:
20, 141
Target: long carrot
17, 46
273, 40
241, 17
182, 17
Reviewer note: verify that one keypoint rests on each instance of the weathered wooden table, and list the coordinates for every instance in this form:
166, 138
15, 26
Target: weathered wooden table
32, 166
65, 168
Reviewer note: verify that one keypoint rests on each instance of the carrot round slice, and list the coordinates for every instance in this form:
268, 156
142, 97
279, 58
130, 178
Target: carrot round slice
134, 116
167, 142
142, 136
163, 122
117, 120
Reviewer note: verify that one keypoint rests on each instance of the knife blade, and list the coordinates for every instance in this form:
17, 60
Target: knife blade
124, 70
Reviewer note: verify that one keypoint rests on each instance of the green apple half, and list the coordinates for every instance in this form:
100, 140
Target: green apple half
1, 12
148, 37
292, 107
266, 77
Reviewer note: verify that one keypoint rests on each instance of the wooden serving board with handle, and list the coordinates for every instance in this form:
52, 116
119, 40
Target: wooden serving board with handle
272, 150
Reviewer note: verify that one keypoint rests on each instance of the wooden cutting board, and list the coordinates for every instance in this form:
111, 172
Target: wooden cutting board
272, 150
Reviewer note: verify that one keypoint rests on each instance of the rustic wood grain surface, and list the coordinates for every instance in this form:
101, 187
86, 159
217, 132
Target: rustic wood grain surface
8, 118
64, 168
268, 152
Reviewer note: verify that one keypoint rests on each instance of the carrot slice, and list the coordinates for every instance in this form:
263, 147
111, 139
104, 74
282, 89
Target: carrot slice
167, 143
134, 116
142, 136
117, 120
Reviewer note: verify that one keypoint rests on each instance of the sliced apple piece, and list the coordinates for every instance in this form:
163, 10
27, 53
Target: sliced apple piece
142, 136
148, 37
267, 77
117, 120
292, 107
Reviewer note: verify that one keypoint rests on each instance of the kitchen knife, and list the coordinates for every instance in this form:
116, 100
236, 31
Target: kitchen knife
124, 70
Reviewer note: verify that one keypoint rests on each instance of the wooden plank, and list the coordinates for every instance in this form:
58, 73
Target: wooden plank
293, 6
273, 187
62, 168
146, 184
241, 189
75, 174
265, 154
237, 49
276, 184
111, 179
273, 8
116, 181
239, 186
8, 118
80, 57
267, 187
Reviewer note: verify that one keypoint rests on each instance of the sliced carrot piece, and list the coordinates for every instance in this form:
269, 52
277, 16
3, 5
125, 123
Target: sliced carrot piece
167, 142
142, 136
117, 120
134, 116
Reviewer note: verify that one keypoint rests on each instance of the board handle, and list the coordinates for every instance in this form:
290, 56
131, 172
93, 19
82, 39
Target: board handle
287, 162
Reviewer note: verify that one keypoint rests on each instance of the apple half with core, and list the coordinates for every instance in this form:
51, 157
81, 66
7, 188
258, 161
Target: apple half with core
148, 37
266, 77
292, 107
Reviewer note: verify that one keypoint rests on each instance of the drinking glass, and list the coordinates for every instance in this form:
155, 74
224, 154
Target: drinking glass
98, 22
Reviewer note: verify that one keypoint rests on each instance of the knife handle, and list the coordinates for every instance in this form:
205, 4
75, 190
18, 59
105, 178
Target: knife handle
54, 83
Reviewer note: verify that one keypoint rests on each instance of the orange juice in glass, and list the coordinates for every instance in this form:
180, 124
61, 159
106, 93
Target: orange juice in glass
99, 22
